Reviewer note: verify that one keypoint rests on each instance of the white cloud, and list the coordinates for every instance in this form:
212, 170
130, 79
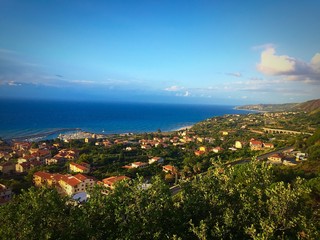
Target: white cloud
235, 74
13, 83
272, 64
290, 68
173, 89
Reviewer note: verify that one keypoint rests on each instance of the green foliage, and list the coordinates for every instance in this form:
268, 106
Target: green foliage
35, 214
243, 202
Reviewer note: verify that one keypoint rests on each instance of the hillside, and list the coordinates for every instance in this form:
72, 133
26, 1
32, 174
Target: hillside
309, 106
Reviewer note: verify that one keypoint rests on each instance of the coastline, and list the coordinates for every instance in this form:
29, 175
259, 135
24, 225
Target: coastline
41, 135
182, 128
75, 133
249, 110
95, 118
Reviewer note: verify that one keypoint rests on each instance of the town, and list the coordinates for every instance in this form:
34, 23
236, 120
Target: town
227, 177
76, 162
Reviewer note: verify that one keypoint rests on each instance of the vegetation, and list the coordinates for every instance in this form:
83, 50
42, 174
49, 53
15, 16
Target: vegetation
220, 195
243, 202
309, 106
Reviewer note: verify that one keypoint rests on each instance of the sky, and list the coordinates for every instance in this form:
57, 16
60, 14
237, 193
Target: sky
210, 52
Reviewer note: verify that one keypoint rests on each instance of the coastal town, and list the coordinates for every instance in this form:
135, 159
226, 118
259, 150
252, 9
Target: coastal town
77, 161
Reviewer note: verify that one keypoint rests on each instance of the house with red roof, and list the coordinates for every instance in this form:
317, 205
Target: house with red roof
110, 182
26, 166
276, 158
65, 184
255, 145
79, 167
169, 169
7, 167
136, 165
217, 149
268, 145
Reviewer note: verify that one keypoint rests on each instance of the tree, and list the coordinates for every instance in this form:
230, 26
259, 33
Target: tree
35, 214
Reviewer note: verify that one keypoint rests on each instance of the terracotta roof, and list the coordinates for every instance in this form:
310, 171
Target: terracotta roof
256, 142
82, 177
169, 168
112, 180
57, 177
139, 163
276, 155
43, 175
79, 166
72, 181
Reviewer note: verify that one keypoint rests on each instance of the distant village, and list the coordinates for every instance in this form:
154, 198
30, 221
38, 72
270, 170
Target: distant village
230, 139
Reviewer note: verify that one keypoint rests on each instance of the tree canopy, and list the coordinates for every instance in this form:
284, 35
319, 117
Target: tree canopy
242, 202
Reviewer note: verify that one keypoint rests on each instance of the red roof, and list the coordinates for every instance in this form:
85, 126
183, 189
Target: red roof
72, 181
82, 177
276, 155
79, 166
139, 163
112, 180
43, 175
256, 142
169, 168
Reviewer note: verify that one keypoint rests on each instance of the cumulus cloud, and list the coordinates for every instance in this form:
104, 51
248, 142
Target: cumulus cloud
291, 68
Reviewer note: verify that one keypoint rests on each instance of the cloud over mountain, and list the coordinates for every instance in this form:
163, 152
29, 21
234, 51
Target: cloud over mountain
291, 68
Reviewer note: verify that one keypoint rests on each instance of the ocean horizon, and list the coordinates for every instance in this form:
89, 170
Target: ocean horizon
25, 118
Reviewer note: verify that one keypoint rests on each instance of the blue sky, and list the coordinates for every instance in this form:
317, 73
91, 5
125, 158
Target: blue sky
213, 52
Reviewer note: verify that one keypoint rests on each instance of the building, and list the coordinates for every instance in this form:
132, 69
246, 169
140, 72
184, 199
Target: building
7, 167
88, 181
71, 185
238, 144
65, 184
217, 149
256, 145
275, 158
55, 160
169, 169
139, 165
110, 182
41, 179
26, 166
24, 146
68, 154
268, 145
79, 167
159, 160
199, 153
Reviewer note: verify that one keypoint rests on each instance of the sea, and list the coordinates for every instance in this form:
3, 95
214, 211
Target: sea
27, 119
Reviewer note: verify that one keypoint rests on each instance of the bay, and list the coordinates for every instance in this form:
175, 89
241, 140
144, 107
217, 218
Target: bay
29, 117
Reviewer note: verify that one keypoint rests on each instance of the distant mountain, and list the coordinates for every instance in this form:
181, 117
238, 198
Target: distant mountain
269, 107
309, 106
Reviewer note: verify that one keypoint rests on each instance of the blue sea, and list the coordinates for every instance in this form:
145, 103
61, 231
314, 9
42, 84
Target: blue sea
22, 118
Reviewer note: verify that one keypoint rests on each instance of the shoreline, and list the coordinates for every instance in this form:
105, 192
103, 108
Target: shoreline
182, 128
40, 135
69, 132
249, 110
